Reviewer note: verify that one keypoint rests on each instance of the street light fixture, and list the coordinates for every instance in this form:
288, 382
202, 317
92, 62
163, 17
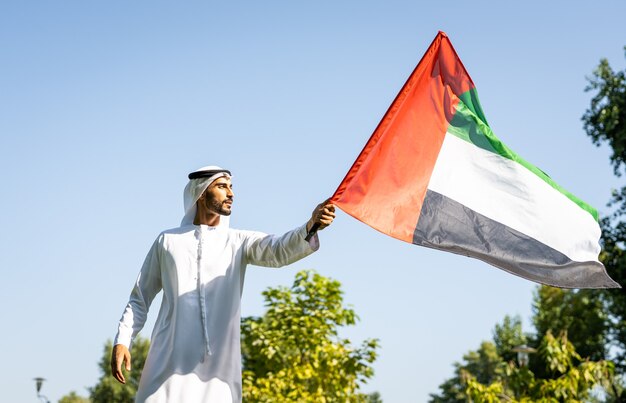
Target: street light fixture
523, 352
38, 383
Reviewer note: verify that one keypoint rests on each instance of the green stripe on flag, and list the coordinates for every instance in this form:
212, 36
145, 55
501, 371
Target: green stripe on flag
470, 99
469, 124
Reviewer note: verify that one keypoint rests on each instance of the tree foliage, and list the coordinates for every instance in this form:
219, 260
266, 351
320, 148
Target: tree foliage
293, 352
109, 390
480, 366
571, 380
73, 397
605, 122
614, 258
491, 374
507, 336
580, 313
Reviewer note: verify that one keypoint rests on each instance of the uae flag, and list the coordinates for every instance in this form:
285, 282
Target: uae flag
434, 174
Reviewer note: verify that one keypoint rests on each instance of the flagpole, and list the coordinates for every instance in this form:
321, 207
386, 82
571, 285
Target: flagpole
312, 232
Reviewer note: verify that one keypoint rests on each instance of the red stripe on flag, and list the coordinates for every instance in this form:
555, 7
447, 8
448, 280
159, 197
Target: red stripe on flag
387, 183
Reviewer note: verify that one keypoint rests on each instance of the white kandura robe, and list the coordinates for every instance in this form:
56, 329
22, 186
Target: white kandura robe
195, 353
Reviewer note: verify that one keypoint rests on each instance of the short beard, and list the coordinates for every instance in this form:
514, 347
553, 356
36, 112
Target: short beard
216, 207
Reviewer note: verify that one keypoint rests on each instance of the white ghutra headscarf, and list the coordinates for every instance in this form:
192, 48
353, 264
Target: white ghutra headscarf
199, 180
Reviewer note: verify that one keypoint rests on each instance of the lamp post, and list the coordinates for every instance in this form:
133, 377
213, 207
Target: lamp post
38, 383
523, 352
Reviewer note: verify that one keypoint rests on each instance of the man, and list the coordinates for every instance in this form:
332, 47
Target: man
195, 353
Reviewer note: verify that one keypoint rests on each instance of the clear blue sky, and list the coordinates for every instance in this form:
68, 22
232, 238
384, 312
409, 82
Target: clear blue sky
106, 106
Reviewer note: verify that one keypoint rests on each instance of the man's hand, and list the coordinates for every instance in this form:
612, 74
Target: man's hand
119, 355
324, 214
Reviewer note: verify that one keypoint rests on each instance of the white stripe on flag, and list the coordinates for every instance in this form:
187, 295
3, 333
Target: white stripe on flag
510, 194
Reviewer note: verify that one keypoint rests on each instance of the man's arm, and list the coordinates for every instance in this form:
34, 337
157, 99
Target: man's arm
277, 251
147, 286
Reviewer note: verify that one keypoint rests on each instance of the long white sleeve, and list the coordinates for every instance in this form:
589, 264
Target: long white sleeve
146, 287
276, 251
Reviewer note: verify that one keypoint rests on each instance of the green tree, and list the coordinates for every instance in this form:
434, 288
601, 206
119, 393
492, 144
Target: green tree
614, 258
572, 378
109, 390
72, 397
293, 353
374, 397
605, 122
580, 313
481, 365
492, 371
507, 336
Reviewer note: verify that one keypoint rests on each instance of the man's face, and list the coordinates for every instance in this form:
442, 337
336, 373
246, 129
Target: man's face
218, 197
